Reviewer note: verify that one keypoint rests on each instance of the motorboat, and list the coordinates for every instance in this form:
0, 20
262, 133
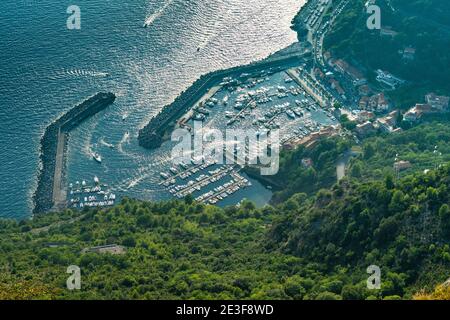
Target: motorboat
97, 157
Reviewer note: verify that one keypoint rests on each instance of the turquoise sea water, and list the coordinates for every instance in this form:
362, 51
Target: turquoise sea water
45, 69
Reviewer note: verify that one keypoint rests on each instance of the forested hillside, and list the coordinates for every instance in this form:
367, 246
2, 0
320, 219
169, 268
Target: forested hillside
308, 246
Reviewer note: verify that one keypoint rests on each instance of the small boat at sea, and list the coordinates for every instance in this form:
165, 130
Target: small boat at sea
124, 117
97, 157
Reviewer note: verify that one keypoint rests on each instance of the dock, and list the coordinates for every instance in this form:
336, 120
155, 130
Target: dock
151, 136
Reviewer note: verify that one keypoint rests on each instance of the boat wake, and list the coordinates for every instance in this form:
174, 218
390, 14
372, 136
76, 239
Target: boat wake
125, 140
156, 15
106, 144
84, 73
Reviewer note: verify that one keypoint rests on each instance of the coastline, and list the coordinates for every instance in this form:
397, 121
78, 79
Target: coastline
50, 193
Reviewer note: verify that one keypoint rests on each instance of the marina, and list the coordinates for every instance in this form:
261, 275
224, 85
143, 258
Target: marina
270, 94
209, 182
272, 98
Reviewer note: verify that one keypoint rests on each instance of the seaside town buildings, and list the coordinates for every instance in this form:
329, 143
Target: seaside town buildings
434, 104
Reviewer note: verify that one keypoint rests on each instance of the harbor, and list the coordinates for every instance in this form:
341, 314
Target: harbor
208, 183
153, 134
273, 98
280, 98
272, 94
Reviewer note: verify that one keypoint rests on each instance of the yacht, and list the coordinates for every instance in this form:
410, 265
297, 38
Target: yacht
165, 175
298, 112
290, 114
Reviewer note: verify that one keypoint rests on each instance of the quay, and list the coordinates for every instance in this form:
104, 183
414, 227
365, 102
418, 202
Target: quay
323, 102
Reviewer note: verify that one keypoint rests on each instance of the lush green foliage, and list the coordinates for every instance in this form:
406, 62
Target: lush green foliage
400, 226
416, 145
308, 246
293, 177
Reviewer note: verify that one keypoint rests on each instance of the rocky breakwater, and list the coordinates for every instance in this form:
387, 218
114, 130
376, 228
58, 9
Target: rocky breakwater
53, 147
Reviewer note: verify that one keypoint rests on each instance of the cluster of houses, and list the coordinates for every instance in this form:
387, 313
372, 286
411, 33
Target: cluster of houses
312, 139
349, 70
342, 67
372, 103
434, 104
368, 123
368, 101
376, 103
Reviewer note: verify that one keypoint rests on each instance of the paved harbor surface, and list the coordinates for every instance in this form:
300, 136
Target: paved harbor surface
59, 189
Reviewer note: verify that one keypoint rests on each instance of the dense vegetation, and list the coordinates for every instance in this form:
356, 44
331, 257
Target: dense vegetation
308, 246
294, 177
416, 145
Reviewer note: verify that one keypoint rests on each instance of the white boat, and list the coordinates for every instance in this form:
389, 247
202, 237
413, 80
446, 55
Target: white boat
290, 114
124, 117
96, 180
165, 175
298, 112
97, 157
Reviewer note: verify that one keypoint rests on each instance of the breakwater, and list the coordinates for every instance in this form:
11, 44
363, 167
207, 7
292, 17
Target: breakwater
152, 135
50, 192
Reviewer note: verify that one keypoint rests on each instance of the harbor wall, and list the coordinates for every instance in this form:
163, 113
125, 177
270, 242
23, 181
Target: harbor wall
151, 136
56, 133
